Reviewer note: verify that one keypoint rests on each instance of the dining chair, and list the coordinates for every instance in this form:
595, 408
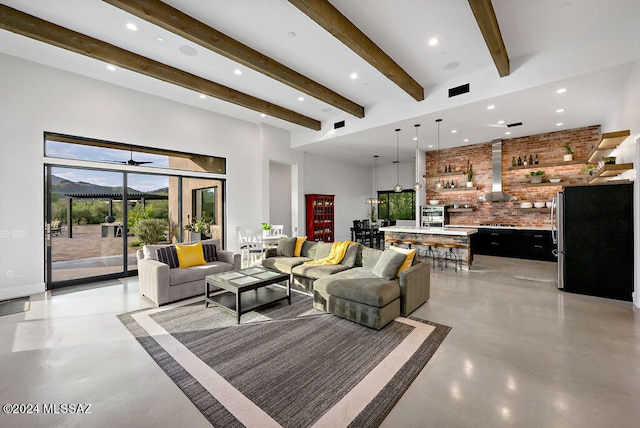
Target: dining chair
243, 242
255, 245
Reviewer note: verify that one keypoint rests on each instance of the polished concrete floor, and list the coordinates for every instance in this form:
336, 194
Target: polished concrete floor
521, 353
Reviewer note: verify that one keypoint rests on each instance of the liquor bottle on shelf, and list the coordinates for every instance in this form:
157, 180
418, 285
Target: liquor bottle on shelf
513, 161
530, 160
519, 161
536, 161
524, 161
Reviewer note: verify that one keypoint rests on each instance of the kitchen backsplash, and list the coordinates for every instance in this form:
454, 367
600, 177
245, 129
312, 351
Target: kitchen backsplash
550, 148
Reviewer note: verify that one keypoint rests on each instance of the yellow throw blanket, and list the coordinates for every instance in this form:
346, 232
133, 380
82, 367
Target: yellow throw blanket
338, 250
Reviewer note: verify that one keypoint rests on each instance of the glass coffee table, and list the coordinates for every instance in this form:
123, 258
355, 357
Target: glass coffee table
246, 289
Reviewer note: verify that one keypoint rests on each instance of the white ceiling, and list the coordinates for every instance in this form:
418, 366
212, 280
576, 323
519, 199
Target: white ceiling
587, 46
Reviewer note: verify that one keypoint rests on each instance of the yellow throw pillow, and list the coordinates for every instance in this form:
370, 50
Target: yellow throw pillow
409, 257
299, 241
190, 255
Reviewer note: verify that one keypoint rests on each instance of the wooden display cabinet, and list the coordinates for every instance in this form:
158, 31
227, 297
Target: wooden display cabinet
320, 220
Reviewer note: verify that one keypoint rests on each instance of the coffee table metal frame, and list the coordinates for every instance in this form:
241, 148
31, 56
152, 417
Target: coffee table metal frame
246, 289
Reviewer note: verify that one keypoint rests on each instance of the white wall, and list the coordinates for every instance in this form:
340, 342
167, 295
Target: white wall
280, 196
37, 98
351, 185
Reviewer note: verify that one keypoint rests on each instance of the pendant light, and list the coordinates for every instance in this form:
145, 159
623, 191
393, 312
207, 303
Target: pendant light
374, 200
439, 183
417, 185
397, 187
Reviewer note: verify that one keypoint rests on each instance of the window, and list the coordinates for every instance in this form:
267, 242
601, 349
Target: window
397, 205
86, 149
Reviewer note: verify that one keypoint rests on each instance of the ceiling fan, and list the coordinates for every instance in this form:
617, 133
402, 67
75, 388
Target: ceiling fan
133, 162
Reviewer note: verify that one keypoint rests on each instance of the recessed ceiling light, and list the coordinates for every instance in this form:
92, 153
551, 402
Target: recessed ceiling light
507, 133
160, 39
500, 122
354, 76
433, 41
237, 72
291, 35
131, 26
300, 98
561, 91
430, 145
560, 110
466, 140
559, 124
491, 107
263, 115
451, 65
453, 131
203, 96
187, 50
111, 67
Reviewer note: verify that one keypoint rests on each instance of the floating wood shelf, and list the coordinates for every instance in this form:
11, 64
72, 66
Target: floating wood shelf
460, 210
455, 189
608, 143
444, 174
608, 171
548, 164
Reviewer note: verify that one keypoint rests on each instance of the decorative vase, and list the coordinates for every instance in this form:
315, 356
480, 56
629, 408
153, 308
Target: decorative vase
469, 183
568, 157
195, 236
536, 179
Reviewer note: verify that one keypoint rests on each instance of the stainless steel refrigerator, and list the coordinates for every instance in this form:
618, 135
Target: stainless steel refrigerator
593, 229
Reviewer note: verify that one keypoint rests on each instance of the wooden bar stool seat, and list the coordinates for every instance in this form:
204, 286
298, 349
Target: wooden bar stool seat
410, 242
392, 241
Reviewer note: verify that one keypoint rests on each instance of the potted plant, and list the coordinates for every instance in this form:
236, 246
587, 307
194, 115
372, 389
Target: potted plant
198, 228
609, 160
266, 229
589, 169
535, 176
470, 176
569, 155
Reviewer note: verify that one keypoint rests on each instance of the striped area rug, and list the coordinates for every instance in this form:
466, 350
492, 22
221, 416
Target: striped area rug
285, 366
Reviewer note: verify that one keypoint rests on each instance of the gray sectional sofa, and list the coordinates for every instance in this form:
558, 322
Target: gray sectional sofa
164, 284
357, 288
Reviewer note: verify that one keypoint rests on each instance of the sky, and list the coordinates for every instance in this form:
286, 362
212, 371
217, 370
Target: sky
141, 182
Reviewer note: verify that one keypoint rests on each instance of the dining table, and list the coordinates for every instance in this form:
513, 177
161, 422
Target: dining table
367, 235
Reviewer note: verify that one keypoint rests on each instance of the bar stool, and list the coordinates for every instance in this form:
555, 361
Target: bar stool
409, 242
452, 255
392, 241
431, 253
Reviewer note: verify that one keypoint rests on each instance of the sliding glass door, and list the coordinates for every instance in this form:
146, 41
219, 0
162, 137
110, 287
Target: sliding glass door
85, 231
94, 227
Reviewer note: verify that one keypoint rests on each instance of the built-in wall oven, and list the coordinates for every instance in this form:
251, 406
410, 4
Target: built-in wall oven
434, 216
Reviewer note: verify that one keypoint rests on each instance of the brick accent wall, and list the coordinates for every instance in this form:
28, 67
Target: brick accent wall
550, 148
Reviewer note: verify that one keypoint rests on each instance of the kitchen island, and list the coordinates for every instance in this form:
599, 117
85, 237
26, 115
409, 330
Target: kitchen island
437, 235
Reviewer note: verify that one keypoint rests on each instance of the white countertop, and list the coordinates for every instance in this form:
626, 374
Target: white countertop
477, 226
430, 230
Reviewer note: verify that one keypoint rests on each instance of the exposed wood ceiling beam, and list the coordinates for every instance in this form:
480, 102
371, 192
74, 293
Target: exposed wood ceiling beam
488, 23
29, 26
330, 18
179, 23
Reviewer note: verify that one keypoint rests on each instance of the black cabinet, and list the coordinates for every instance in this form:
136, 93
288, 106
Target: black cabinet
517, 243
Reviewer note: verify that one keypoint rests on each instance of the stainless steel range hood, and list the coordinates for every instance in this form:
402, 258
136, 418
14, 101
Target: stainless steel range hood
496, 194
